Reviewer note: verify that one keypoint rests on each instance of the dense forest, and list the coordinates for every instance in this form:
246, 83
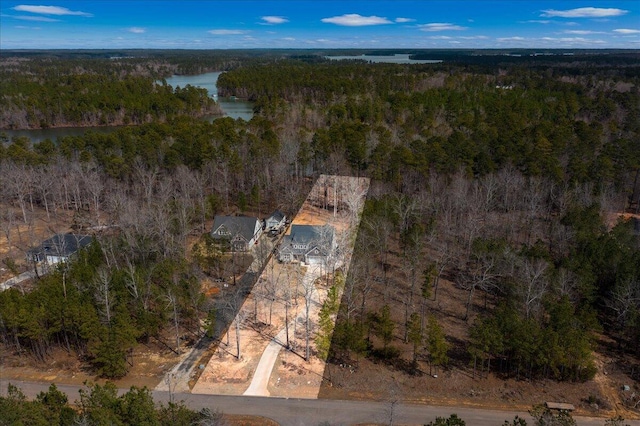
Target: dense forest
50, 93
502, 176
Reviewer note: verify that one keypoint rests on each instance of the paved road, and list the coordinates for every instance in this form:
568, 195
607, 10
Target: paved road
303, 412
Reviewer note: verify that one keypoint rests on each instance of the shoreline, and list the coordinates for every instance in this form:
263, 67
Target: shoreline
105, 126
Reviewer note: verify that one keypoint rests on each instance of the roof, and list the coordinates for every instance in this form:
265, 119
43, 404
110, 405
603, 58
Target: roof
277, 216
63, 245
308, 235
243, 225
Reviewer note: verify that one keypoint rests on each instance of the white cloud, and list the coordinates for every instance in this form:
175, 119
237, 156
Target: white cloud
355, 20
274, 20
289, 38
502, 39
626, 31
137, 30
538, 21
572, 40
584, 12
22, 27
49, 10
440, 38
441, 26
36, 18
225, 32
582, 32
404, 20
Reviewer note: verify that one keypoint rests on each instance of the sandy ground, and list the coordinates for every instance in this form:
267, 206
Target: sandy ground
263, 321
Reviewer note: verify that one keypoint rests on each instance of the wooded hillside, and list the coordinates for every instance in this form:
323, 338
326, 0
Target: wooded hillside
499, 177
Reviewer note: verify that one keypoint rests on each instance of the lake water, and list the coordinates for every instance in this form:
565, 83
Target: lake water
398, 58
233, 108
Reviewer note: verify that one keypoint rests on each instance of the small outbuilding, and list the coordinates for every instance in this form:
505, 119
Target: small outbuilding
276, 222
59, 248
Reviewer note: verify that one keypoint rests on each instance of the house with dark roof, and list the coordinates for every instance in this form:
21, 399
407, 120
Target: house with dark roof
242, 232
59, 248
276, 222
310, 244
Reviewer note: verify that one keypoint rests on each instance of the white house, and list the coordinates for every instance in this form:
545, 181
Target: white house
307, 243
58, 248
242, 232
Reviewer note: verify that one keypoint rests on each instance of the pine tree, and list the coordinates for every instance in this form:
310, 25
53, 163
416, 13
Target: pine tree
415, 337
436, 344
385, 326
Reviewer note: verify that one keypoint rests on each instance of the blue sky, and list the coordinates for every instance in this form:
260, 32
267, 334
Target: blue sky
231, 24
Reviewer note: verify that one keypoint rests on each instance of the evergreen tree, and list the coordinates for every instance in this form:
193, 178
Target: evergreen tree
452, 420
436, 344
415, 338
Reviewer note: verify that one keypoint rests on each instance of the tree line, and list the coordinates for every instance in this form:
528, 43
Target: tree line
100, 405
49, 93
441, 117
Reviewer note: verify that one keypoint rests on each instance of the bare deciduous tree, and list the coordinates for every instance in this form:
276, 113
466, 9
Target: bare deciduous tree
532, 284
95, 186
104, 295
309, 289
172, 301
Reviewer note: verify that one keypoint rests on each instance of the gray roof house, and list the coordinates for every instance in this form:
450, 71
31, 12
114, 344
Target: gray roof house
58, 248
242, 232
276, 222
307, 243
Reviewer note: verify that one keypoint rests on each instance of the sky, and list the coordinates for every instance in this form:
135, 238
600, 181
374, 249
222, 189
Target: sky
319, 24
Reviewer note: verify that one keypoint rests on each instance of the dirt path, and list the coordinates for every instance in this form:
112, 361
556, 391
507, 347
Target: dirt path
609, 389
17, 280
